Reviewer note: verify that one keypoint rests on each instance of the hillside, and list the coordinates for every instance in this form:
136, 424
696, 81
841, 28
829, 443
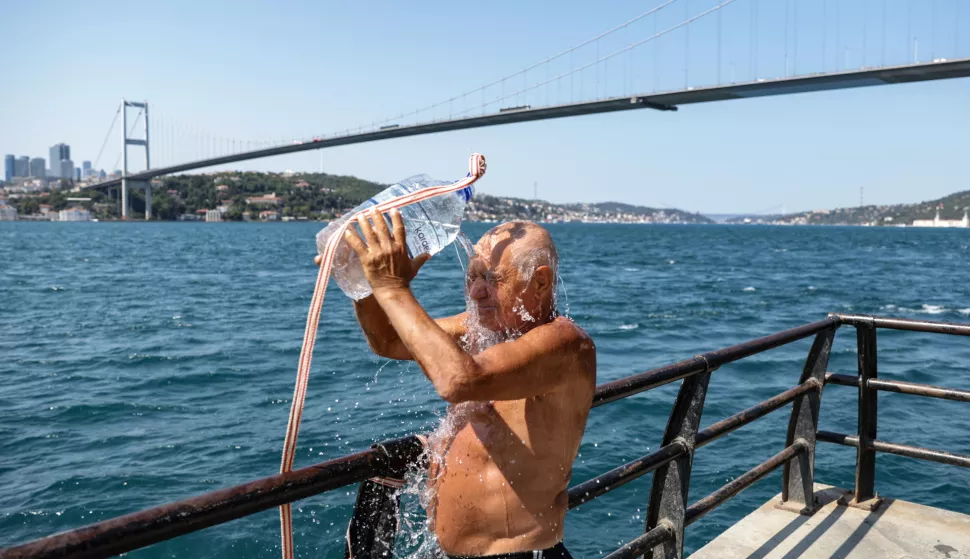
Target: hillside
497, 208
951, 207
319, 196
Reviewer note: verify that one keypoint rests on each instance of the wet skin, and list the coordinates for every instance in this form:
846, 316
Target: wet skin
504, 455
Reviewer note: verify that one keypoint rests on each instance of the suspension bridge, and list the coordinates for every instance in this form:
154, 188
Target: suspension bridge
677, 53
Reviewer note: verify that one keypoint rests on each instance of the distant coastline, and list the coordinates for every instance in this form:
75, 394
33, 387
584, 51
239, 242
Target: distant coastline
950, 211
284, 197
251, 196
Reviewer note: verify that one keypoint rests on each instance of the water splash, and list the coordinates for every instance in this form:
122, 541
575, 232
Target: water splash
416, 538
524, 314
381, 368
466, 244
555, 298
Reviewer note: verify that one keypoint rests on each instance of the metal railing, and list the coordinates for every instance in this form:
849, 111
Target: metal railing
865, 441
373, 527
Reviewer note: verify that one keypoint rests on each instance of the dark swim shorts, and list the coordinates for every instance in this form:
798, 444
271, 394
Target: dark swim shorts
557, 551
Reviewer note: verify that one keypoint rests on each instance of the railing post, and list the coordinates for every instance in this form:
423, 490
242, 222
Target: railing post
865, 467
373, 527
798, 480
671, 482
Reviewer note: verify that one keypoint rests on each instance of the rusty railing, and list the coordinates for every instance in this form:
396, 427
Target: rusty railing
372, 529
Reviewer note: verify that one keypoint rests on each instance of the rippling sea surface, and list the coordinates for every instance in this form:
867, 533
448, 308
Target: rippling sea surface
145, 363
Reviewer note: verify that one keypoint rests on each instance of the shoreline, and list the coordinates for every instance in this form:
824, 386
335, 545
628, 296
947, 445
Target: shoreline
258, 222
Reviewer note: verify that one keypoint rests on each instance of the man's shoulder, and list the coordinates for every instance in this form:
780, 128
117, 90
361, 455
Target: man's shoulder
568, 339
570, 332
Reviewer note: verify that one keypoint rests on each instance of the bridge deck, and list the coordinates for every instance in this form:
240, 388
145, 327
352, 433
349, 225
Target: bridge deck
907, 73
896, 530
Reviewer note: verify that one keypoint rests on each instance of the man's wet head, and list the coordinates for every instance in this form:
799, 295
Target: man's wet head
512, 279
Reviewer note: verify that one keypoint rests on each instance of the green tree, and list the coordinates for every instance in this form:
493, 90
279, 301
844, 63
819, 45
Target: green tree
28, 206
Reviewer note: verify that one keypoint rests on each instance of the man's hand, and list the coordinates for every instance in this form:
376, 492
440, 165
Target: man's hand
384, 256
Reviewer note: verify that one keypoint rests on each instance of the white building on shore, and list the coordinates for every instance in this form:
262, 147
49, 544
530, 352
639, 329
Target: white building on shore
937, 222
74, 214
8, 213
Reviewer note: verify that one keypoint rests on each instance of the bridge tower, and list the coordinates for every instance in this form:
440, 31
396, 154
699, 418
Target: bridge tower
127, 141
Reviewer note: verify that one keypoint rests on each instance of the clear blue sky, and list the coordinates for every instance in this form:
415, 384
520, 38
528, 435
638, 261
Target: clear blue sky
282, 70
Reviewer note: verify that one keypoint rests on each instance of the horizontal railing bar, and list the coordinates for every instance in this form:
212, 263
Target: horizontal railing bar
842, 380
141, 529
612, 391
742, 418
902, 387
644, 543
940, 456
951, 328
654, 378
920, 389
837, 438
707, 504
591, 489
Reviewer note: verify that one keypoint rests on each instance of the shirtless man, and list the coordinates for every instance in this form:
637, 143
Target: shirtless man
518, 409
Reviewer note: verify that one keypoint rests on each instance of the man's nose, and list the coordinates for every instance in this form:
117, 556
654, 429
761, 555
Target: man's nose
478, 290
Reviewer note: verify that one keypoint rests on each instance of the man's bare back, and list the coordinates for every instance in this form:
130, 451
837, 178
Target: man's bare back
519, 407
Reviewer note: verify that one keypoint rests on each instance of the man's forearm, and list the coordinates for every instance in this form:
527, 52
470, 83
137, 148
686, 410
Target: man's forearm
445, 364
381, 335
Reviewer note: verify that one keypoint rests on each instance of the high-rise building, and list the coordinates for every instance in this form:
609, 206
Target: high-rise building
77, 173
21, 167
67, 169
86, 169
102, 174
38, 167
8, 167
58, 153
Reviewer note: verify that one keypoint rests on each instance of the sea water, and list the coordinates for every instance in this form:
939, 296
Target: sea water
145, 363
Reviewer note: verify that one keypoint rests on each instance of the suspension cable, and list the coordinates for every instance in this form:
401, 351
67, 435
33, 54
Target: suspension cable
613, 54
537, 64
107, 136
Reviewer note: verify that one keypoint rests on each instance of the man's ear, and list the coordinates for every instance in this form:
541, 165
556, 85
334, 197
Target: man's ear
542, 279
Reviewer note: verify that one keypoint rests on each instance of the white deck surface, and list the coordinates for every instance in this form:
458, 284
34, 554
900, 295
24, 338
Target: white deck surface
896, 530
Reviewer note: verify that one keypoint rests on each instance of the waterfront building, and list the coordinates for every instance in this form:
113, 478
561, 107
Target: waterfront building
270, 199
7, 213
8, 167
74, 214
213, 216
937, 222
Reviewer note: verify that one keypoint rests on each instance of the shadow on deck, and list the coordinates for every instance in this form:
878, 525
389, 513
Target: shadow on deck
895, 530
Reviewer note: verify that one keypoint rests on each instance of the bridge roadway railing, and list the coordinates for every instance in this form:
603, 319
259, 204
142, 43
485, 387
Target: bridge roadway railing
372, 529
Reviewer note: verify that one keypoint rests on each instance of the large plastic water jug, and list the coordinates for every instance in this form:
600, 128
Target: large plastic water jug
431, 225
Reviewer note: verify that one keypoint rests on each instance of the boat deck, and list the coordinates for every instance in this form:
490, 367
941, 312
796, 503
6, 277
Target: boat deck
895, 530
